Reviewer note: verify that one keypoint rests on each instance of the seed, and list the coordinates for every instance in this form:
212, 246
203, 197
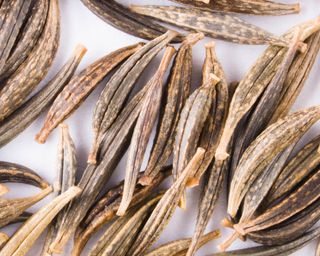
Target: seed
24, 238
214, 24
176, 94
80, 87
18, 87
143, 129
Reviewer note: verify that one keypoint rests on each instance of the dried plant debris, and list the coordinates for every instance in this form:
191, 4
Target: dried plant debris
3, 239
105, 209
13, 208
213, 24
118, 88
118, 240
3, 189
176, 94
256, 7
165, 208
180, 247
143, 129
24, 80
10, 172
124, 19
24, 238
67, 167
80, 87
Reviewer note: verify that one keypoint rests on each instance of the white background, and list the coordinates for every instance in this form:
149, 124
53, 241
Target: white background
79, 25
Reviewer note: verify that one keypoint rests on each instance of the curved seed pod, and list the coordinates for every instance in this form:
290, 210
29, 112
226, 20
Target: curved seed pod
4, 238
96, 176
32, 108
213, 24
267, 145
24, 238
13, 208
118, 88
255, 7
164, 209
31, 33
143, 129
180, 247
28, 76
123, 19
22, 218
105, 209
80, 86
126, 234
10, 172
11, 27
285, 249
176, 95
298, 168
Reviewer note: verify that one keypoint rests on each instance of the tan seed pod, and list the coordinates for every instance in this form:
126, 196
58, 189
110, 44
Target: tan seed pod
3, 239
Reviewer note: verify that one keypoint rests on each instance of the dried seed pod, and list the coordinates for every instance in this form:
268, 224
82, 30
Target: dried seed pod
18, 87
32, 108
13, 208
285, 249
21, 218
176, 95
255, 7
24, 238
267, 145
164, 209
143, 129
119, 242
105, 209
10, 172
180, 247
214, 24
80, 87
3, 239
118, 88
3, 189
122, 18
318, 249
30, 35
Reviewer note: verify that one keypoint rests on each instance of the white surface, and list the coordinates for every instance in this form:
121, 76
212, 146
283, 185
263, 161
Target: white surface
79, 25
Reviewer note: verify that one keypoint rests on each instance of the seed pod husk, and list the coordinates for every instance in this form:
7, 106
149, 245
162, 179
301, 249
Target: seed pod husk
24, 238
143, 129
105, 209
180, 247
213, 24
255, 7
267, 145
10, 172
118, 88
119, 242
124, 19
30, 36
33, 107
13, 208
3, 239
177, 92
164, 209
24, 80
80, 86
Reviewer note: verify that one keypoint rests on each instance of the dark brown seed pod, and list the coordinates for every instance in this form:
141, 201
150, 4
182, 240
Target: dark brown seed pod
285, 249
10, 172
255, 7
143, 129
118, 88
80, 87
119, 242
214, 24
176, 95
24, 238
180, 247
18, 87
33, 107
122, 18
13, 208
164, 209
105, 209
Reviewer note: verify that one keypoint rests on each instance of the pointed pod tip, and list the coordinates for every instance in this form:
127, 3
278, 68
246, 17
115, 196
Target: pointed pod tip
80, 50
41, 137
193, 38
3, 189
227, 223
